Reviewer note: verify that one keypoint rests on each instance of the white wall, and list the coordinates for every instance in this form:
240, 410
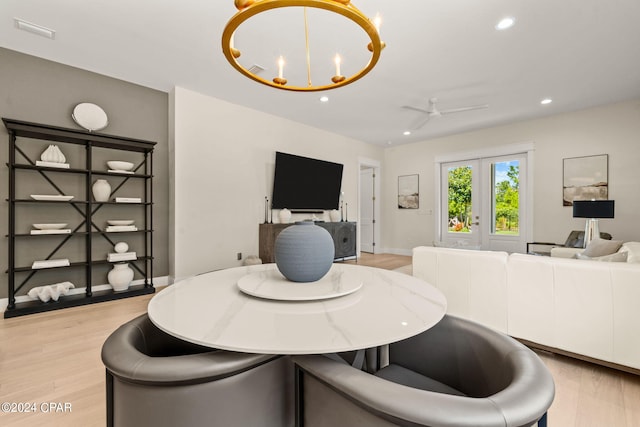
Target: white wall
612, 129
223, 158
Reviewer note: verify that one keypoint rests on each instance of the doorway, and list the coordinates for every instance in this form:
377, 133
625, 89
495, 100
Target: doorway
368, 207
484, 203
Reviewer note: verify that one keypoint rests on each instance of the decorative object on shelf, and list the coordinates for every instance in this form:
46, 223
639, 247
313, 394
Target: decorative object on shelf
90, 116
335, 215
585, 178
120, 221
128, 200
116, 225
121, 247
52, 157
408, 192
593, 210
121, 254
50, 263
284, 215
51, 197
52, 231
120, 276
266, 210
101, 190
49, 226
315, 9
120, 166
50, 292
304, 252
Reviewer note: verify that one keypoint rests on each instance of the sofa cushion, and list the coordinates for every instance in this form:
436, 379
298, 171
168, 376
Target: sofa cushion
633, 251
615, 257
601, 247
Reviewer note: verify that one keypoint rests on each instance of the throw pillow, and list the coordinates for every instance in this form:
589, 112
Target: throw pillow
601, 247
615, 257
633, 251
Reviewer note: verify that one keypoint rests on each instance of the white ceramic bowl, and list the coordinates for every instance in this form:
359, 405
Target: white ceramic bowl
49, 226
120, 222
119, 165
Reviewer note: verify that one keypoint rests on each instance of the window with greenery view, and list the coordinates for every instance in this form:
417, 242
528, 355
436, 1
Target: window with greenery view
459, 199
506, 200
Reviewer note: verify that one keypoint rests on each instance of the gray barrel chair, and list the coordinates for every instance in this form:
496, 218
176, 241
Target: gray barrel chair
456, 374
154, 379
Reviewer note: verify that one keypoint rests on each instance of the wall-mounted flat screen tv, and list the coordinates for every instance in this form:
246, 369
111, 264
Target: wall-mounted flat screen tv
305, 184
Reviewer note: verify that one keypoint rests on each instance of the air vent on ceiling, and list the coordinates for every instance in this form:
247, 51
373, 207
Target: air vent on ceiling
255, 69
34, 28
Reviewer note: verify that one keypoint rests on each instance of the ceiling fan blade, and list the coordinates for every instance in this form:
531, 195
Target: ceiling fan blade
461, 109
421, 110
421, 123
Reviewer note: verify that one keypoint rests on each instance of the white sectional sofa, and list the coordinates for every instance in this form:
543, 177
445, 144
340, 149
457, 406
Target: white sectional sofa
587, 309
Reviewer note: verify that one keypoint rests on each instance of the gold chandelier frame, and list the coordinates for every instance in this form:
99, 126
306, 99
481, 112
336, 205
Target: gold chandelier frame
250, 8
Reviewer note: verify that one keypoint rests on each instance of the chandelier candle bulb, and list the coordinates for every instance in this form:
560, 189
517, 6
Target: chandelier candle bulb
337, 60
377, 21
280, 67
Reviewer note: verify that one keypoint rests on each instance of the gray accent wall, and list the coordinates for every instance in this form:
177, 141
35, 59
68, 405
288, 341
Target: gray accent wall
41, 91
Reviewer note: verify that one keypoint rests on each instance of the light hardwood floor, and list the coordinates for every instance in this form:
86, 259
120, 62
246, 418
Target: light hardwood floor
55, 357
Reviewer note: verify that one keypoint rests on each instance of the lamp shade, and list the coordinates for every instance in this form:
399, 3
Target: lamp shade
593, 208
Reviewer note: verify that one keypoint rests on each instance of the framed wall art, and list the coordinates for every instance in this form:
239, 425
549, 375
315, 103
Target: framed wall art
585, 178
408, 192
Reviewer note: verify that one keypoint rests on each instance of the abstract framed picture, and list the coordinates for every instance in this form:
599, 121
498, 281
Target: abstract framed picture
585, 178
408, 192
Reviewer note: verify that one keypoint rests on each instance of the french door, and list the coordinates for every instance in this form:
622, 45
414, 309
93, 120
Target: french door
483, 203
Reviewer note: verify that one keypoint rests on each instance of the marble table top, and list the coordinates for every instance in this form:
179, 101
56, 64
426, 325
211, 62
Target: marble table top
210, 309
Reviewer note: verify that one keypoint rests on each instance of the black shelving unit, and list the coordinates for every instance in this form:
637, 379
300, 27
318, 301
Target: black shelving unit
20, 277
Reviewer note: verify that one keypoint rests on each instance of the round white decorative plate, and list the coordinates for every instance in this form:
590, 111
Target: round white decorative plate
120, 221
49, 226
271, 284
90, 116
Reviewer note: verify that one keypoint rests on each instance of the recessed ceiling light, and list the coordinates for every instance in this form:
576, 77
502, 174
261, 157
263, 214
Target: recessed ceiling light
546, 101
324, 99
406, 132
34, 28
505, 23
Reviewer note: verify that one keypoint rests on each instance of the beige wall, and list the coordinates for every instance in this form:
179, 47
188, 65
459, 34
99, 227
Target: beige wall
223, 162
611, 129
41, 91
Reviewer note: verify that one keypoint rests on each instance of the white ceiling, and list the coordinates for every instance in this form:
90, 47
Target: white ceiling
580, 53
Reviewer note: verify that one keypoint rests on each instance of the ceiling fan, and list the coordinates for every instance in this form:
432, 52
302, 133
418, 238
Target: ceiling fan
432, 111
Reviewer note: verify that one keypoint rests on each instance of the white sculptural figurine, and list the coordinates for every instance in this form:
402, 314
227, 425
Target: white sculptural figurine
51, 292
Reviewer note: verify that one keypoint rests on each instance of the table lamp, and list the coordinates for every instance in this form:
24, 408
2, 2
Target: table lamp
592, 210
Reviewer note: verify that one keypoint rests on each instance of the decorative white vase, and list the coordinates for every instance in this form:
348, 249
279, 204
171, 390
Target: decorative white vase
334, 215
53, 155
284, 215
120, 276
101, 190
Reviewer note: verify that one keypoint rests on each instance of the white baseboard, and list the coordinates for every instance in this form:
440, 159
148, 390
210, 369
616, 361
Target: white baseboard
398, 251
157, 281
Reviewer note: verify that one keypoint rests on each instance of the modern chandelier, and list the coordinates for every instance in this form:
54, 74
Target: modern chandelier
250, 8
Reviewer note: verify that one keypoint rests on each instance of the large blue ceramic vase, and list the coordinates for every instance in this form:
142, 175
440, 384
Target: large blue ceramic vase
304, 252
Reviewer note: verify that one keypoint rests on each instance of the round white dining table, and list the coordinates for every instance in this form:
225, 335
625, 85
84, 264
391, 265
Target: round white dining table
357, 308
